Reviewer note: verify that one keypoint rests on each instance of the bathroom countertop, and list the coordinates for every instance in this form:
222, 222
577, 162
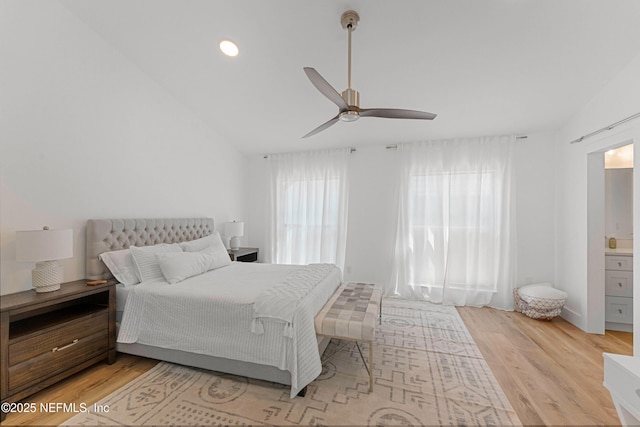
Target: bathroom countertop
619, 251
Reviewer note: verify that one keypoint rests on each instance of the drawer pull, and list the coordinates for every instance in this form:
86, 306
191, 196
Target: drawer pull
619, 264
619, 284
74, 342
619, 311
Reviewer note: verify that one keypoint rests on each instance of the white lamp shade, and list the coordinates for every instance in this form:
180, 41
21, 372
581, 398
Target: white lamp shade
234, 229
44, 245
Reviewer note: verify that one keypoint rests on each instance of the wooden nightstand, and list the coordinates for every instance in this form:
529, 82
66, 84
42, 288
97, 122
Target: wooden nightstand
46, 337
244, 254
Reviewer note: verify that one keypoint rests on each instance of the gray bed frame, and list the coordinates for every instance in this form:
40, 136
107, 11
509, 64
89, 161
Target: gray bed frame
113, 234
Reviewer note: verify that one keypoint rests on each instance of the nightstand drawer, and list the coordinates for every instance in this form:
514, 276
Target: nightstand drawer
618, 283
45, 342
47, 364
618, 309
612, 262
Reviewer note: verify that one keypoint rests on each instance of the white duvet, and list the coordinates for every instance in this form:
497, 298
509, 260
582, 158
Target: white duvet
213, 313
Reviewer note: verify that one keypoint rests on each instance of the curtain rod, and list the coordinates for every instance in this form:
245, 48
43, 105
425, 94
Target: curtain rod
391, 147
611, 126
266, 156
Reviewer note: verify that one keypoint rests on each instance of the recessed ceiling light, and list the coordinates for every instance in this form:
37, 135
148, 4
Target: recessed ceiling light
229, 48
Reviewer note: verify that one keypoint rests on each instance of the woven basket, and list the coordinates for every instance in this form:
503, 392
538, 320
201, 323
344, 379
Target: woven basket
538, 308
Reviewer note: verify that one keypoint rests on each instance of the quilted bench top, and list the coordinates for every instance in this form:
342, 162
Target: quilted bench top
350, 313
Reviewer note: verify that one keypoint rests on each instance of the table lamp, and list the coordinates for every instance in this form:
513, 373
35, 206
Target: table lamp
45, 247
234, 230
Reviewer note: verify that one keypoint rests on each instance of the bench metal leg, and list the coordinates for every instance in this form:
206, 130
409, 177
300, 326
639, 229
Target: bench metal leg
327, 358
370, 367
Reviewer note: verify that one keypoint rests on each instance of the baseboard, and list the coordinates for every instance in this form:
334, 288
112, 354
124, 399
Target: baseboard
573, 318
613, 326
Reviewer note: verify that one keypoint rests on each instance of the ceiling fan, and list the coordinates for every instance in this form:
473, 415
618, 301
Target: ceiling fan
348, 101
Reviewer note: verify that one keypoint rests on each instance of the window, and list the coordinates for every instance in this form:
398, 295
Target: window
309, 207
452, 216
455, 230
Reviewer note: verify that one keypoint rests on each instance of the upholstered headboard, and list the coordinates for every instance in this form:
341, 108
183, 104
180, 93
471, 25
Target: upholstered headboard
112, 234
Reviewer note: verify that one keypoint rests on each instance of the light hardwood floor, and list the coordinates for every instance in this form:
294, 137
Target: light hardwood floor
550, 371
88, 387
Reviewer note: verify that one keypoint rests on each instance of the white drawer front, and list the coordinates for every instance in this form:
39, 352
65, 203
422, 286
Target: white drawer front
613, 262
618, 283
618, 309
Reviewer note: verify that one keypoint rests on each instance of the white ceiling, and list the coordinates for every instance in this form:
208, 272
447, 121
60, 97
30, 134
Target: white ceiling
485, 67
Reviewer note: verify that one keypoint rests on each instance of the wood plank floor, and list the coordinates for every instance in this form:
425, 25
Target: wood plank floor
88, 387
550, 371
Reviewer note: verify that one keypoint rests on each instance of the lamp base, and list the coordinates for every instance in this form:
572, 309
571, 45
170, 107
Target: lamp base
234, 243
47, 276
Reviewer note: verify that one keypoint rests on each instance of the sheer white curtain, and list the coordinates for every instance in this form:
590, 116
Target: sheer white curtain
308, 207
455, 241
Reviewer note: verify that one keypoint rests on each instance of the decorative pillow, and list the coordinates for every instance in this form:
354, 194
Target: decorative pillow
120, 264
147, 266
212, 244
220, 255
202, 243
177, 266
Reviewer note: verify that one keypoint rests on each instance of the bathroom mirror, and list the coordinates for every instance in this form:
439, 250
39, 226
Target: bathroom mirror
619, 203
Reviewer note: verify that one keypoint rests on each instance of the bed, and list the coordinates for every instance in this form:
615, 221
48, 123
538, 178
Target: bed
227, 319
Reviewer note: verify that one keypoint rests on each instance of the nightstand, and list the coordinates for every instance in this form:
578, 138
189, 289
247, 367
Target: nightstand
46, 337
244, 254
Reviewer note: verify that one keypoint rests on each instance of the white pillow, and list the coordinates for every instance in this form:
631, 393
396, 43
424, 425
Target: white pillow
120, 264
202, 243
147, 266
213, 244
177, 266
220, 255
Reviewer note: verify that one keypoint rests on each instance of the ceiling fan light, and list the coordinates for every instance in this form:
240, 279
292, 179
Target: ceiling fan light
349, 116
229, 48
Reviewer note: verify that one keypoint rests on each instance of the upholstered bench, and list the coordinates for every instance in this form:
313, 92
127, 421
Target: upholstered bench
350, 314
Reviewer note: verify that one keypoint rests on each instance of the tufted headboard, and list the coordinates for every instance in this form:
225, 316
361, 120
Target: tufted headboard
112, 234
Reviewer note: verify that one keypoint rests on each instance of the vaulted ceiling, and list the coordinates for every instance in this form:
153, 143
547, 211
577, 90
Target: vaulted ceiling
486, 67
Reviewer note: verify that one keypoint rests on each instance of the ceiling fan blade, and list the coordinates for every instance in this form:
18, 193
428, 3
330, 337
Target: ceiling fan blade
323, 126
325, 88
396, 113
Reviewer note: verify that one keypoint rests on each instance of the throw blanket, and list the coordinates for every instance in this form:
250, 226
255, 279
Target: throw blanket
282, 300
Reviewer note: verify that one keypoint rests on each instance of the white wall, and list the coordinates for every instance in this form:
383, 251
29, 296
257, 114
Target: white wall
620, 98
257, 191
85, 134
372, 213
535, 182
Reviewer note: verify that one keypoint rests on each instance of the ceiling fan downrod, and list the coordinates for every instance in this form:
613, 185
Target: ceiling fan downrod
349, 21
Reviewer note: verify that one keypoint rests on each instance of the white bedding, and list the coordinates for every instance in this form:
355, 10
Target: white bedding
122, 292
212, 314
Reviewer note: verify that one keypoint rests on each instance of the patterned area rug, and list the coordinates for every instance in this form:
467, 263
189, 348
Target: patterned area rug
427, 371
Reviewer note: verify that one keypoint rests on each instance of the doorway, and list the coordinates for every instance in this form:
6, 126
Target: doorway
610, 238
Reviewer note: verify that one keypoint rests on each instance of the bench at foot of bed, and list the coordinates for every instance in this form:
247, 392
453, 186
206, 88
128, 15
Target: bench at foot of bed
350, 314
